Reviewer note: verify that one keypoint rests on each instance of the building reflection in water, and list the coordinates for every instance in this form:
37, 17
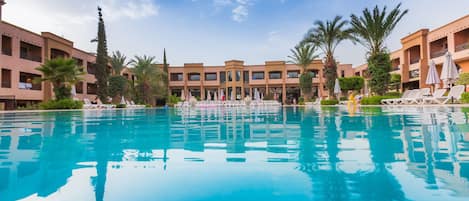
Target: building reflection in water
369, 155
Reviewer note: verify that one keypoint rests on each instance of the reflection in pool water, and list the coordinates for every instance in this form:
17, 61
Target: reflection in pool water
396, 153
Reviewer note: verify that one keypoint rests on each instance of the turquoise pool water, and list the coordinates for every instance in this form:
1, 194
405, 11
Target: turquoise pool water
408, 153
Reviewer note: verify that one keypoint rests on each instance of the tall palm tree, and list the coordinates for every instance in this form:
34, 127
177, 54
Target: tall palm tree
373, 27
62, 73
371, 30
118, 62
303, 55
327, 36
148, 77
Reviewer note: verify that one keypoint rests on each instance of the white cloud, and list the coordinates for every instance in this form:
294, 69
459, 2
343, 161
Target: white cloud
240, 13
134, 9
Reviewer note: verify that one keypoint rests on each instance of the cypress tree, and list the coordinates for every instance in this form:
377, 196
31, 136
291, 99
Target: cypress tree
166, 71
101, 66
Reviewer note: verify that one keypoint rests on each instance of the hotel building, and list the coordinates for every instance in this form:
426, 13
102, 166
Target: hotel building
236, 80
412, 60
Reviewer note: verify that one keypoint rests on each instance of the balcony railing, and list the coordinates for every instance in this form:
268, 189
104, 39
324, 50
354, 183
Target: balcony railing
415, 60
6, 52
438, 53
462, 46
395, 68
31, 57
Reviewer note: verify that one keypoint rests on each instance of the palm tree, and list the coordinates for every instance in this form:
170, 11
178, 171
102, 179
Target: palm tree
148, 77
371, 30
327, 36
118, 62
62, 73
303, 55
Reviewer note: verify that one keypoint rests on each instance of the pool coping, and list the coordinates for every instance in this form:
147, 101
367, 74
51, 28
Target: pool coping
284, 106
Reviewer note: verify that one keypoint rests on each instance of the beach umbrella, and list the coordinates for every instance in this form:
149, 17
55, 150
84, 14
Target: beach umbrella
122, 100
257, 95
233, 94
73, 91
262, 96
337, 87
190, 95
183, 98
432, 75
215, 96
449, 73
209, 97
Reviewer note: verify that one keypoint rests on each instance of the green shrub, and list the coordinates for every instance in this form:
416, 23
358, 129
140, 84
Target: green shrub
269, 97
375, 100
329, 102
393, 93
343, 98
61, 104
121, 106
465, 97
173, 99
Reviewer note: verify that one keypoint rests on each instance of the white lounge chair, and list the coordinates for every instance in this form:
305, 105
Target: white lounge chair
136, 106
438, 94
453, 95
88, 105
392, 101
104, 106
418, 96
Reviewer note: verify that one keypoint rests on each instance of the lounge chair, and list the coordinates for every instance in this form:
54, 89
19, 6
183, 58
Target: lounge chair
393, 101
136, 106
438, 94
418, 96
453, 95
88, 105
104, 106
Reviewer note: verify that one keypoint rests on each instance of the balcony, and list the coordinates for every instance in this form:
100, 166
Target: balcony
461, 47
30, 52
396, 68
438, 53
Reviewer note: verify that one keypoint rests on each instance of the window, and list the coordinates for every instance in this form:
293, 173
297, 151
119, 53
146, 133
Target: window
222, 77
314, 73
6, 45
414, 73
238, 76
275, 75
90, 68
91, 88
6, 78
194, 76
210, 76
26, 81
258, 75
230, 78
357, 73
79, 87
30, 52
342, 73
79, 61
246, 76
176, 77
293, 74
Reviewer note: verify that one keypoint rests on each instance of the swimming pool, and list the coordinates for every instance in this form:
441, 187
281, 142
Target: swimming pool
375, 153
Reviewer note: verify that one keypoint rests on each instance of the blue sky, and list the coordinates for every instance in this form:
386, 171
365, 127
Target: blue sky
213, 31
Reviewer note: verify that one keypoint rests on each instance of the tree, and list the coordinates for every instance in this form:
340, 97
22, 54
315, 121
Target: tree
148, 79
371, 30
62, 73
463, 79
327, 36
395, 81
379, 66
166, 71
118, 62
117, 87
101, 66
355, 83
303, 55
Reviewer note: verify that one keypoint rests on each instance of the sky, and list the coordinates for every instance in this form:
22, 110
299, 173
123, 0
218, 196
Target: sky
214, 31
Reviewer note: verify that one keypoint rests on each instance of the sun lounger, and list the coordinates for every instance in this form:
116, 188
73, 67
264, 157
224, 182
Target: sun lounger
418, 96
88, 105
393, 101
438, 94
453, 95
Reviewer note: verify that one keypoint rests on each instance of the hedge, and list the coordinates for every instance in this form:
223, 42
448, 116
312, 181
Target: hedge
375, 100
329, 102
465, 97
61, 104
